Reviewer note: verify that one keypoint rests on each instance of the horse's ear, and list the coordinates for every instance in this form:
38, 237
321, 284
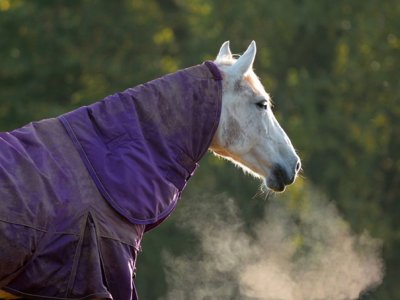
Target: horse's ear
245, 62
224, 52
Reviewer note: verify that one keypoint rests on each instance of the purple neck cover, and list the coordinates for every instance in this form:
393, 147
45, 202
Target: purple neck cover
142, 145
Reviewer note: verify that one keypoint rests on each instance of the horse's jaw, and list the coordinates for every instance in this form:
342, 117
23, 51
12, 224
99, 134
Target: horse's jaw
245, 165
272, 175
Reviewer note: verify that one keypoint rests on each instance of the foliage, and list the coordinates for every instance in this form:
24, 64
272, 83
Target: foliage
332, 69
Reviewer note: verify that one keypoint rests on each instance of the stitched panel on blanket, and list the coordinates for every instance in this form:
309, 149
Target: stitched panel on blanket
56, 229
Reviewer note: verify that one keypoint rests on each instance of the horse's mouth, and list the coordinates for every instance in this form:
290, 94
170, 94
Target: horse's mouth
275, 185
278, 179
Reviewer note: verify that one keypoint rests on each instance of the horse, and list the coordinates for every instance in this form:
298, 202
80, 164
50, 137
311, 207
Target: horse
80, 190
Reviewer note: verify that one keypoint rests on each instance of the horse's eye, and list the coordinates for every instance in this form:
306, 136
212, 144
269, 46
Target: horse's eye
262, 104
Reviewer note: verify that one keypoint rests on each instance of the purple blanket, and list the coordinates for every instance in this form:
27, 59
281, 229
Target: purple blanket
78, 192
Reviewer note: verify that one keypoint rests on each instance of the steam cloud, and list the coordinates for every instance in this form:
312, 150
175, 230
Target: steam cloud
292, 254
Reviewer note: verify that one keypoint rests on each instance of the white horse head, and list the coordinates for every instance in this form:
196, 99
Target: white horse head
248, 133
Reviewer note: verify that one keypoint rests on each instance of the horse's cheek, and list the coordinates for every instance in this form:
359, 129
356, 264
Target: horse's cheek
232, 132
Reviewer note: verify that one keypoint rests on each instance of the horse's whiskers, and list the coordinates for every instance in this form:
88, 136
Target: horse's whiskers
263, 191
268, 195
259, 192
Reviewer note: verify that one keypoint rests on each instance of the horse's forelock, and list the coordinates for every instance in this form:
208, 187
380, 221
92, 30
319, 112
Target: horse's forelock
250, 78
254, 82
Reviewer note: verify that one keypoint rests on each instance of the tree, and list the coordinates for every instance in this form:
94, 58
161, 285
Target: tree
332, 70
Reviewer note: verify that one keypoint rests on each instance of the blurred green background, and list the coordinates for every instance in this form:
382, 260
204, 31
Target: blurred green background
332, 68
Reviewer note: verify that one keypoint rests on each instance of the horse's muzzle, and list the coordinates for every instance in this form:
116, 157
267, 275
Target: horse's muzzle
281, 177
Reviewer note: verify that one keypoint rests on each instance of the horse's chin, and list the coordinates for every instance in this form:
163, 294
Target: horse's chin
275, 185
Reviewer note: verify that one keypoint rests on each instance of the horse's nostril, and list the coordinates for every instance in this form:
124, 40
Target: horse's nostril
298, 166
